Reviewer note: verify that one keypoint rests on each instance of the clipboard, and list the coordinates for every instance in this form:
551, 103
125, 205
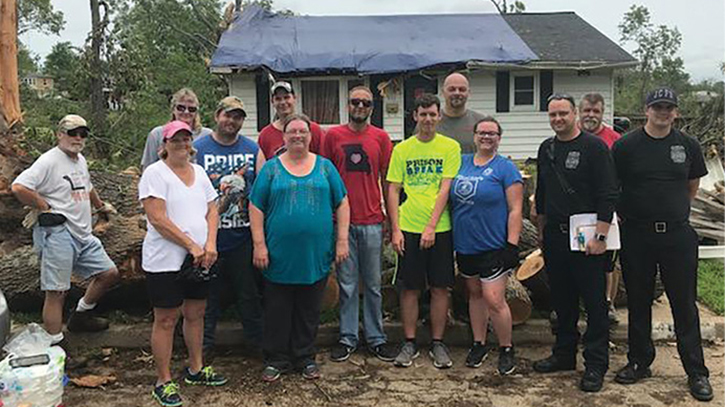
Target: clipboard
582, 228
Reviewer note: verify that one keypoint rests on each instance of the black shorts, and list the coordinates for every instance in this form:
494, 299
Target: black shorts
419, 269
482, 265
167, 290
612, 256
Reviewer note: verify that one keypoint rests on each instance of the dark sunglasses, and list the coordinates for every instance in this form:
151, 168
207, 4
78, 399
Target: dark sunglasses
190, 109
561, 96
363, 102
80, 131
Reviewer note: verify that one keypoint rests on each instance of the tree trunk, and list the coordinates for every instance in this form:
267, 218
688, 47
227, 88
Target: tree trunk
9, 88
98, 102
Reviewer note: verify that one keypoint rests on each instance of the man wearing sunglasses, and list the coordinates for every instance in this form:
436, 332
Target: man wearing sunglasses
456, 120
58, 188
575, 175
361, 153
284, 102
659, 170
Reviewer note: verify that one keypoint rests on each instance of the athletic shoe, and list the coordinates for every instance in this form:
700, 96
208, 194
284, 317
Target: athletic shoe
477, 354
311, 371
271, 374
167, 394
506, 362
205, 377
439, 353
612, 314
341, 352
407, 353
384, 352
86, 321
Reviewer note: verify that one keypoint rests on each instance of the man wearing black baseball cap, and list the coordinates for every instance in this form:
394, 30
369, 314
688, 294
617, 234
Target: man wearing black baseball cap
659, 164
284, 102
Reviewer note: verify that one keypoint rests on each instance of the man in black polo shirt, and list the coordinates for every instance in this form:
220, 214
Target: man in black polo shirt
659, 169
575, 175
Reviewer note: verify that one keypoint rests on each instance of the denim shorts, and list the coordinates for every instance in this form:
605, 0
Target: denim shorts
61, 254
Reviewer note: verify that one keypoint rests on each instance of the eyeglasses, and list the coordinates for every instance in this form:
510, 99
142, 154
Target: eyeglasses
561, 96
486, 133
190, 109
296, 132
363, 102
80, 131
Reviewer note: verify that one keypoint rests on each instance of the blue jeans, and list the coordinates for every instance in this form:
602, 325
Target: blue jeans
366, 249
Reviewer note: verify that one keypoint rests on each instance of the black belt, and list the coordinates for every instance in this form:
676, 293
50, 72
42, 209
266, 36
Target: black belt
558, 227
655, 226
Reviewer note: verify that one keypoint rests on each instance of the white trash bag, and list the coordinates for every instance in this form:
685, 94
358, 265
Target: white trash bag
32, 373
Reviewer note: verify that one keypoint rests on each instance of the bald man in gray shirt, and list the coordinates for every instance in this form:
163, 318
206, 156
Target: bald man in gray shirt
457, 122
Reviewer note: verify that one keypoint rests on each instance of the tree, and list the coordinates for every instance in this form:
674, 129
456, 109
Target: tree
27, 61
503, 7
9, 89
63, 64
39, 15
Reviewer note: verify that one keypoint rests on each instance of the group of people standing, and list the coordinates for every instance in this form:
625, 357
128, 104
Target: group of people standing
269, 220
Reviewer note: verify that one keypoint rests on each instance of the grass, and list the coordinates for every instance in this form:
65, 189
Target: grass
711, 285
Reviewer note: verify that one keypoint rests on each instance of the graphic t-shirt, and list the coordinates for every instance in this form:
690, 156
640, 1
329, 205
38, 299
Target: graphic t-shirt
420, 167
360, 158
65, 184
478, 204
271, 140
460, 129
231, 170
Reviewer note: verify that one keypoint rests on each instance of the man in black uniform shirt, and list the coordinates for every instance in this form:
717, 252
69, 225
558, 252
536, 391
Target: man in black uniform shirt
659, 169
575, 175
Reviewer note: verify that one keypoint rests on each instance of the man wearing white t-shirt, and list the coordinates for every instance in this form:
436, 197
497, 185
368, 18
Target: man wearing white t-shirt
58, 187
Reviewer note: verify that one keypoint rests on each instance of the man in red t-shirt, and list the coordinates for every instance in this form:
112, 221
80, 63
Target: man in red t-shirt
591, 113
361, 153
270, 138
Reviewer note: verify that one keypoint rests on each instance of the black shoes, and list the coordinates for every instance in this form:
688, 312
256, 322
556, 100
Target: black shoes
591, 381
553, 364
86, 321
385, 352
632, 373
700, 388
341, 353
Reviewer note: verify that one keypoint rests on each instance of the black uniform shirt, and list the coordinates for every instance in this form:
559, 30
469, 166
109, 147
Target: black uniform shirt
587, 166
654, 175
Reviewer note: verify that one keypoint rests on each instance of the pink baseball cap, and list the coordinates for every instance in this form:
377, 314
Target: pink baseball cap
171, 128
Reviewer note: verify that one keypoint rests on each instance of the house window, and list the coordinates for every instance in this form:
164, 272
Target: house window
524, 90
321, 100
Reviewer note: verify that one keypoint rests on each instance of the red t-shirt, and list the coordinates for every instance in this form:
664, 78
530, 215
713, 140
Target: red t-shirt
608, 135
361, 159
272, 143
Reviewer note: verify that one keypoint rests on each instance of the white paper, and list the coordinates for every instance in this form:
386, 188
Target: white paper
582, 228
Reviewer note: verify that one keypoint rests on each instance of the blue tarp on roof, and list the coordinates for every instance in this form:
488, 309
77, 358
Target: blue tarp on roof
366, 44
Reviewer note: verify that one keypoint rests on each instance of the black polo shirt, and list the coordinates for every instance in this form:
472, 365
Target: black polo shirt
654, 174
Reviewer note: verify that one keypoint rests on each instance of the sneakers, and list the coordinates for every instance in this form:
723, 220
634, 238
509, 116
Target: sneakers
506, 363
591, 381
477, 354
271, 374
86, 321
167, 394
632, 373
700, 387
205, 377
612, 314
341, 352
439, 353
384, 352
407, 353
553, 364
311, 371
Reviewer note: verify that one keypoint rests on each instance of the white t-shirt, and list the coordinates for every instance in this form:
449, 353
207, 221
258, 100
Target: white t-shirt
65, 184
186, 207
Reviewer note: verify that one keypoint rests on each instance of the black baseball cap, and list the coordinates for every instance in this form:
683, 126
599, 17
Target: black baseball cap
286, 86
661, 95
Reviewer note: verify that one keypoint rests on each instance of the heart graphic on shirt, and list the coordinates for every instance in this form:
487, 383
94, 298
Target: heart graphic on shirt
356, 158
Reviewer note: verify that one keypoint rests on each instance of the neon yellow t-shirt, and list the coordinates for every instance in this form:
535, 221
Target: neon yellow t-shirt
420, 167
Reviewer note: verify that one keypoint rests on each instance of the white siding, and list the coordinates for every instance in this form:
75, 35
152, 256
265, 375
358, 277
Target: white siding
394, 123
242, 86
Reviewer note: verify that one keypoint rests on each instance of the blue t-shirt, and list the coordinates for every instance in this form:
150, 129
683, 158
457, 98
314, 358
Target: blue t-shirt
478, 203
232, 172
298, 224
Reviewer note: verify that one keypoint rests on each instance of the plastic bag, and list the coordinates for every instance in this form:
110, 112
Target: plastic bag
32, 340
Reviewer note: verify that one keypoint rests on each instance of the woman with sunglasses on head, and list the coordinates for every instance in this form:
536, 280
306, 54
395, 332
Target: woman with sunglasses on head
486, 203
184, 107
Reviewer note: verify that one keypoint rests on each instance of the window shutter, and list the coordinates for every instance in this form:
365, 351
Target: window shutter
546, 88
502, 91
263, 110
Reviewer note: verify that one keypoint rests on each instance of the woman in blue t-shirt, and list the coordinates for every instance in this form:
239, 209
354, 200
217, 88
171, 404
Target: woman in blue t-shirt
486, 201
291, 214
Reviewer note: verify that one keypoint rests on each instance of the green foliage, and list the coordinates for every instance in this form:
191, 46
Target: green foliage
711, 285
63, 64
27, 61
39, 15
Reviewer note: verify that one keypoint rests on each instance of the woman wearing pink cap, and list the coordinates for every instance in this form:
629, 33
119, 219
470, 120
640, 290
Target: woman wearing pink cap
178, 250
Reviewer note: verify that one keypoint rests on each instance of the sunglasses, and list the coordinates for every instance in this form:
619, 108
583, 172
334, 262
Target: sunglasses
363, 102
190, 109
561, 96
82, 132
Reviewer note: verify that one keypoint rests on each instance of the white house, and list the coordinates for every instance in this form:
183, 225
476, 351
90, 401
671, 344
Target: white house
514, 63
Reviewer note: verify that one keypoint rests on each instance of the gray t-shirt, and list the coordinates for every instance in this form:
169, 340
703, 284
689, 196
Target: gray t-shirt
156, 139
65, 184
460, 129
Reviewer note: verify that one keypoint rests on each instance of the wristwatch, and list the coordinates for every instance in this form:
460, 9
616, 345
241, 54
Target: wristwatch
600, 237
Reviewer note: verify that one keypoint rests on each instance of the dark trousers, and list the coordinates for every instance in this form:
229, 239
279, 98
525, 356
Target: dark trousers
674, 253
574, 276
291, 318
236, 277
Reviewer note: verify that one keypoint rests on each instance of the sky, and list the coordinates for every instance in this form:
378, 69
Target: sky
702, 23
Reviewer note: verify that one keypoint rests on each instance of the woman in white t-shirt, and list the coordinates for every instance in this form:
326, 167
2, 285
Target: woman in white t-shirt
179, 201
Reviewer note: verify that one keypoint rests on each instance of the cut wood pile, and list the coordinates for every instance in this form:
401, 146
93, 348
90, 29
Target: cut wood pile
708, 213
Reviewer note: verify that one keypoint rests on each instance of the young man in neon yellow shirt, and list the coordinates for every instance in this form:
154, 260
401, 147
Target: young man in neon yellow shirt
424, 165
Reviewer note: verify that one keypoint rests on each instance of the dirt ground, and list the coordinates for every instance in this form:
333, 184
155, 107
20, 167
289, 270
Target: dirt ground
365, 381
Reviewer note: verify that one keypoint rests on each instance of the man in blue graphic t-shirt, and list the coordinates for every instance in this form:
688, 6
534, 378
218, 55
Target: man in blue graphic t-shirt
232, 162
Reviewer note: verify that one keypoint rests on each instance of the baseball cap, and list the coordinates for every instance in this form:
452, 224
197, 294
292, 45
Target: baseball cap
72, 122
231, 103
284, 86
661, 95
171, 128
